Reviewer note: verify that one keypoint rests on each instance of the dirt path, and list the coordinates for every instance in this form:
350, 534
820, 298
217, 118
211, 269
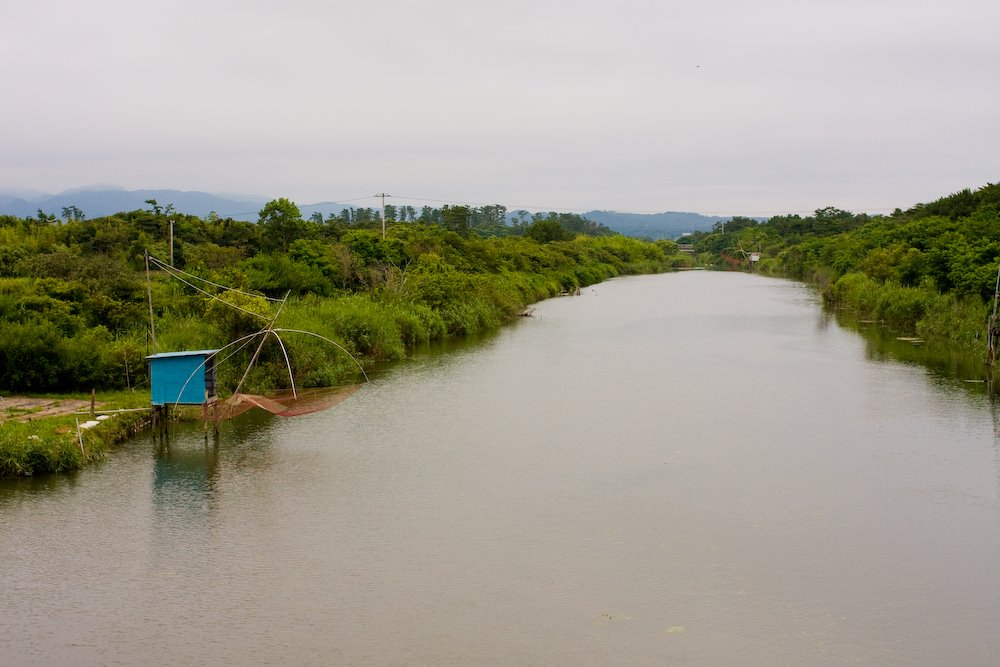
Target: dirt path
22, 408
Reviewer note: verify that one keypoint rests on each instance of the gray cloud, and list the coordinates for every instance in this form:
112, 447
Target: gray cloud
721, 107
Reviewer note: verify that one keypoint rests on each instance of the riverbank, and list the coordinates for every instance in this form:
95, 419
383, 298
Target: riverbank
87, 317
922, 311
60, 433
710, 439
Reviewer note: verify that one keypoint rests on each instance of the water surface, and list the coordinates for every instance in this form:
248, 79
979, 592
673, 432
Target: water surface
696, 468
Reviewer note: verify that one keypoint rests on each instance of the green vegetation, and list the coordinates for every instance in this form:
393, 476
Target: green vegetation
74, 306
74, 310
56, 444
929, 270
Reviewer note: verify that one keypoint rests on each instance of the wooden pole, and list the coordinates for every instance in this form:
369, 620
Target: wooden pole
149, 292
993, 330
79, 435
264, 332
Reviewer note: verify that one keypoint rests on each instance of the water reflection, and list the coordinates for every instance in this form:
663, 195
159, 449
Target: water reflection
192, 463
185, 473
946, 363
22, 490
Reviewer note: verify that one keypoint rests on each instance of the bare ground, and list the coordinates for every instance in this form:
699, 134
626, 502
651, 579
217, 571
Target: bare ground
22, 408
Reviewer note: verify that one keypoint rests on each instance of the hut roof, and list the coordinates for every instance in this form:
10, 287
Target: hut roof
188, 353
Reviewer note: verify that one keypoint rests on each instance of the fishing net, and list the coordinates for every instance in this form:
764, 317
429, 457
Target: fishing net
283, 404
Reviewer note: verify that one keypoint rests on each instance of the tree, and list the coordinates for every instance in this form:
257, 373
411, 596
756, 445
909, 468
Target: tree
734, 224
490, 220
157, 209
547, 229
367, 217
456, 219
282, 222
429, 215
72, 213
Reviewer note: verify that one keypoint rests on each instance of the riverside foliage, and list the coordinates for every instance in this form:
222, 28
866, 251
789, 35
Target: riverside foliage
74, 312
931, 269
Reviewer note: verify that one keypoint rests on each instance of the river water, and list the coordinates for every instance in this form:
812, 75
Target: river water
695, 468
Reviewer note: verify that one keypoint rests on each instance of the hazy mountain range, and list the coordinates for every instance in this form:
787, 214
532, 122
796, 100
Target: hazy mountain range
98, 201
667, 225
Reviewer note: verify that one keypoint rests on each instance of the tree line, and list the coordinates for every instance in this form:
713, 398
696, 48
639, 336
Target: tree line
75, 302
931, 268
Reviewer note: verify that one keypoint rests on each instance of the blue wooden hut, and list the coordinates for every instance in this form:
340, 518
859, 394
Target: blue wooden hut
185, 378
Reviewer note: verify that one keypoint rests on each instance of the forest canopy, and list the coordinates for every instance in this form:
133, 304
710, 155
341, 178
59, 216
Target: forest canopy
75, 301
932, 267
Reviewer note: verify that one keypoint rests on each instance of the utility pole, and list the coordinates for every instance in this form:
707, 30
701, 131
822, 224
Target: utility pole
383, 196
171, 242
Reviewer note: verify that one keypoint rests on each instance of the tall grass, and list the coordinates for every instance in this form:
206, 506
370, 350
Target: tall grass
448, 287
921, 310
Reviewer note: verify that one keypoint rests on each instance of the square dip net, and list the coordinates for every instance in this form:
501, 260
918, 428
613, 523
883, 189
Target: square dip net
283, 404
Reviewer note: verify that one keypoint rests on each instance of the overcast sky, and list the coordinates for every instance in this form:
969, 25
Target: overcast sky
716, 106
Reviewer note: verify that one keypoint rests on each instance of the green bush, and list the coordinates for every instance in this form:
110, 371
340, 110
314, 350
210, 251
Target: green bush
902, 306
962, 321
32, 356
855, 291
79, 316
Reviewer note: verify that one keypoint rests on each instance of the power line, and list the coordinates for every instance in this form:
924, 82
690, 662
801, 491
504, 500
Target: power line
568, 209
577, 209
481, 204
177, 273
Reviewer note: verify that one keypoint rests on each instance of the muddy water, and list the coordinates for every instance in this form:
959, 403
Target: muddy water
694, 468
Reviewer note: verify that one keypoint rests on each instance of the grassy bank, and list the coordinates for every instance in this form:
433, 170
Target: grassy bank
369, 329
930, 270
31, 446
80, 310
921, 310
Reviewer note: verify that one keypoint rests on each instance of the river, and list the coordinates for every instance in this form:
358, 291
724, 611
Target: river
693, 468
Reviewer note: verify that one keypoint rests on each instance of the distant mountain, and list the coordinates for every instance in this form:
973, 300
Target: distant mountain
14, 205
100, 200
106, 201
324, 207
9, 194
668, 225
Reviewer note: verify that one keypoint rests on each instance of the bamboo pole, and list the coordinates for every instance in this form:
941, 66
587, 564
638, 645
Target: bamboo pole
149, 293
267, 330
992, 329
